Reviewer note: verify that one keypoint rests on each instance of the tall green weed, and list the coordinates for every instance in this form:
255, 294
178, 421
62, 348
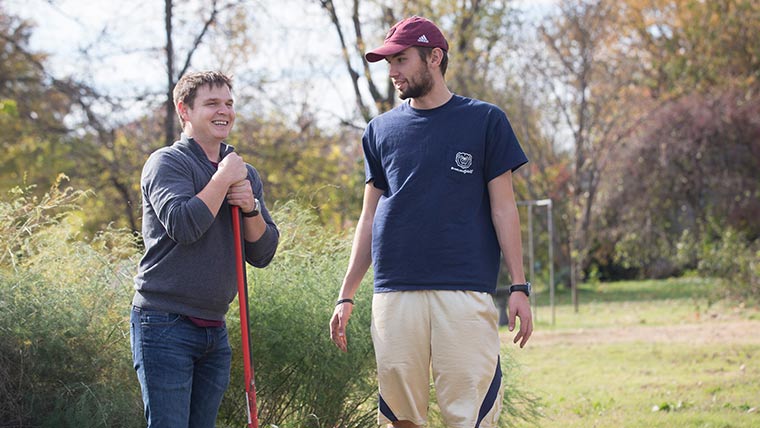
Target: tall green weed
65, 356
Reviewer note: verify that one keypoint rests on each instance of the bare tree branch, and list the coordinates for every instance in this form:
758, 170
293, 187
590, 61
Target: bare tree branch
199, 38
329, 6
169, 106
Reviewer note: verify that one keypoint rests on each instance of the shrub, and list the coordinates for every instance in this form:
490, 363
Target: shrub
65, 360
726, 256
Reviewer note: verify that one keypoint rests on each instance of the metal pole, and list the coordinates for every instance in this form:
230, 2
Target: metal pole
531, 259
550, 227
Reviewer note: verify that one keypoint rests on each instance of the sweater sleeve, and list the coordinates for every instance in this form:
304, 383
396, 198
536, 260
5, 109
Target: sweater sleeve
168, 187
261, 252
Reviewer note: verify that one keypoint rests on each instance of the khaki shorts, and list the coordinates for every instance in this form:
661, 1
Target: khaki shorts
454, 334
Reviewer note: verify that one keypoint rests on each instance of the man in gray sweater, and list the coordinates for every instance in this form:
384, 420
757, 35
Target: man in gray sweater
186, 278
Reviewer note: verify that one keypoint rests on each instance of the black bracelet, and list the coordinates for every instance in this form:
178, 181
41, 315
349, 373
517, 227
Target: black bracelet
341, 301
250, 214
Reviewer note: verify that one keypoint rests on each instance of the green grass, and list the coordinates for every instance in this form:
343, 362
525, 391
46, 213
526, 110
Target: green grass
640, 382
625, 303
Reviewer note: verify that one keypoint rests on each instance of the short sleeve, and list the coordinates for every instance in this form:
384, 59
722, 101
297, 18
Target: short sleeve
373, 167
503, 151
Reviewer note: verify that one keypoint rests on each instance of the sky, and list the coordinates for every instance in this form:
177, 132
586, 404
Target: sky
130, 62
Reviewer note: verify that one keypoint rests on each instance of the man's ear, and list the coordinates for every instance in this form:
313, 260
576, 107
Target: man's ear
182, 110
436, 56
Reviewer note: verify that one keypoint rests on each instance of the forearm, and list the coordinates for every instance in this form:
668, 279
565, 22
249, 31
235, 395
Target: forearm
255, 227
361, 250
359, 262
506, 221
261, 237
214, 194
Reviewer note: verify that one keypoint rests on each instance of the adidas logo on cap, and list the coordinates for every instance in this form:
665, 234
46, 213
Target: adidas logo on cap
423, 39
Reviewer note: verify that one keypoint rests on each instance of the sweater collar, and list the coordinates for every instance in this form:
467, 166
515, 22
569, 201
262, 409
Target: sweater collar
196, 149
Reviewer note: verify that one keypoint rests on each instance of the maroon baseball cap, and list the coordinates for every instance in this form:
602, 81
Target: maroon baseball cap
414, 31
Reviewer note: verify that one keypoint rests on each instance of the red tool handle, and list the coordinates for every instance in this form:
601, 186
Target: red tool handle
250, 386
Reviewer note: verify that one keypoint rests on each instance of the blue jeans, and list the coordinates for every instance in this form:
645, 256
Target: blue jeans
183, 369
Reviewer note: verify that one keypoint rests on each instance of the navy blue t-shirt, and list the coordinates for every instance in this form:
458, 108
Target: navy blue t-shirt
433, 227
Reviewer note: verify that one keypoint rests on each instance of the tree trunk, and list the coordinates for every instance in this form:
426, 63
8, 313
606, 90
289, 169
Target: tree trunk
169, 132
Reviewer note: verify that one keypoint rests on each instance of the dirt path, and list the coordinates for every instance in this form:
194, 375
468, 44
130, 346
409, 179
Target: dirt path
707, 332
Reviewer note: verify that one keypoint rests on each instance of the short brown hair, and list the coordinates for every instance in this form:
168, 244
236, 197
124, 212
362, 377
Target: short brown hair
186, 89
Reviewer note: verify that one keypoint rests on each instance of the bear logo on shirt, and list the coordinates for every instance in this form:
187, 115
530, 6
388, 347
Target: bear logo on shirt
463, 161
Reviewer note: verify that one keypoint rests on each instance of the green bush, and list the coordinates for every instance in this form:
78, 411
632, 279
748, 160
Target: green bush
64, 363
727, 256
65, 348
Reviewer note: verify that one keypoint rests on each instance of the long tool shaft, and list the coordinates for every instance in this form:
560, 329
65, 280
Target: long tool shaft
250, 385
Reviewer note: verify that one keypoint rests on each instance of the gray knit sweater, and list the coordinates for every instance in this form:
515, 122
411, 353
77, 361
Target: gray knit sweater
189, 262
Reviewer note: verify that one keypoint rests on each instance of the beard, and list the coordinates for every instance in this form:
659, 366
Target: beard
418, 86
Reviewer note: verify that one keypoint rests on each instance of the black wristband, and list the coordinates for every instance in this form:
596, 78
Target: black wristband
341, 301
525, 288
253, 213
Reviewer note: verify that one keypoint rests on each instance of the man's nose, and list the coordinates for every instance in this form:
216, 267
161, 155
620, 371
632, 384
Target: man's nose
392, 71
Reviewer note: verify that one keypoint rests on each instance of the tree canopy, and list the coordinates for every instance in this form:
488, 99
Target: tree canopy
639, 117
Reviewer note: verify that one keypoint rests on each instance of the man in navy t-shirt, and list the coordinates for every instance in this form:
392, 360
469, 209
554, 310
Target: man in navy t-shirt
438, 212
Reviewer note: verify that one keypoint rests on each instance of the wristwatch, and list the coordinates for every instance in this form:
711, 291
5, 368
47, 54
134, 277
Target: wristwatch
256, 209
525, 288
